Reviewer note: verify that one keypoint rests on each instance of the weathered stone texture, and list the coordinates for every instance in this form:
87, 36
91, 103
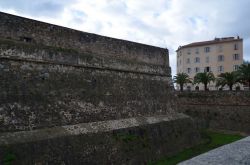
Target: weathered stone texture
223, 110
59, 89
126, 141
36, 95
40, 33
50, 75
10, 49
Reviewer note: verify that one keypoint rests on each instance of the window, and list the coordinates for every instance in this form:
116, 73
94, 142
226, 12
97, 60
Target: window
188, 70
207, 49
207, 69
220, 69
236, 67
220, 48
197, 69
236, 46
236, 57
188, 61
207, 59
197, 60
188, 51
197, 50
220, 58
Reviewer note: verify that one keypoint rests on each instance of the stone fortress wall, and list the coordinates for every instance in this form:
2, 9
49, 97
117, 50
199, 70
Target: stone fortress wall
221, 110
52, 75
102, 51
70, 97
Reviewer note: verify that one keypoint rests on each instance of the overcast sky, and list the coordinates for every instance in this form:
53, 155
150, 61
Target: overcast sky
163, 23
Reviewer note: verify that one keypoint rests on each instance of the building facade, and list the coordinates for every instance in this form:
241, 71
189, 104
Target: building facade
218, 56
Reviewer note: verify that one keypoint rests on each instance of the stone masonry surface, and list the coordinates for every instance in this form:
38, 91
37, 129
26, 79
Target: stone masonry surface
83, 128
124, 141
222, 110
39, 33
35, 95
51, 75
71, 97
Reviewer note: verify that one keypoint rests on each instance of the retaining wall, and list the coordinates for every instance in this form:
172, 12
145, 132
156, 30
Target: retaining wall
125, 141
223, 110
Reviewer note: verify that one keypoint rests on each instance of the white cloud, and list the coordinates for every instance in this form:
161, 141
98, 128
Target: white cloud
156, 22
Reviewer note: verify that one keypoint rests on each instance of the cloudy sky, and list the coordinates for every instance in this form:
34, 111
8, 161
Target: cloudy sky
163, 23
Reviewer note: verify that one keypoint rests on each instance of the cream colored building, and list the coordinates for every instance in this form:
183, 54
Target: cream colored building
218, 56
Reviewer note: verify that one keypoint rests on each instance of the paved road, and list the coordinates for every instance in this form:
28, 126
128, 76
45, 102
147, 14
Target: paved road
237, 153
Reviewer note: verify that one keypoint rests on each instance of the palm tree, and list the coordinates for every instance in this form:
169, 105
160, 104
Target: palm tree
204, 78
228, 78
181, 79
244, 73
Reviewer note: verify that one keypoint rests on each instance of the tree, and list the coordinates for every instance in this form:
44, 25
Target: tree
228, 78
246, 62
204, 78
181, 79
244, 74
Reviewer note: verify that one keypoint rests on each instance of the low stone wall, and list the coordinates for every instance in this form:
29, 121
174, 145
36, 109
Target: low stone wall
126, 141
223, 110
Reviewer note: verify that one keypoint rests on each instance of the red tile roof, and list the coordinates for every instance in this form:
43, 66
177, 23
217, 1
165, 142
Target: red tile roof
215, 41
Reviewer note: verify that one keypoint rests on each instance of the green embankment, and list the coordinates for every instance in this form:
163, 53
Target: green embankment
211, 140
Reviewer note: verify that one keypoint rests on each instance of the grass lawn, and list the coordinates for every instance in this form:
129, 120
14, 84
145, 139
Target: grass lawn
211, 140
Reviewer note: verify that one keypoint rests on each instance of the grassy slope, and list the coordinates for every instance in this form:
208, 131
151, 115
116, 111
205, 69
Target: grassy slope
211, 140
